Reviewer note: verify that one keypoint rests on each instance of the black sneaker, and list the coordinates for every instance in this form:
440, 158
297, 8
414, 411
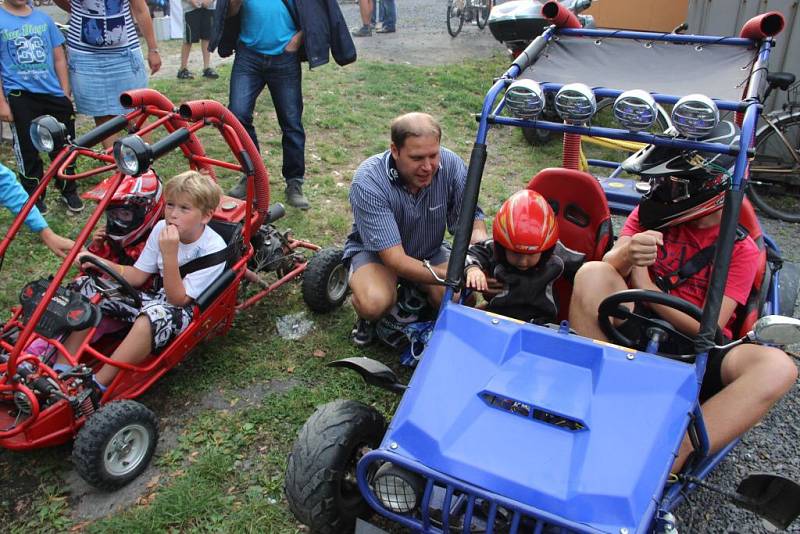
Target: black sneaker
73, 202
295, 196
363, 333
240, 189
385, 30
41, 206
210, 73
363, 31
184, 74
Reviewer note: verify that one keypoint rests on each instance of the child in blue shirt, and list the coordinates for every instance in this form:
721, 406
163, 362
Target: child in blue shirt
13, 197
34, 82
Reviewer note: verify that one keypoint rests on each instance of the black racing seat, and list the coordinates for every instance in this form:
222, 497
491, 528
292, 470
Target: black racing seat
231, 233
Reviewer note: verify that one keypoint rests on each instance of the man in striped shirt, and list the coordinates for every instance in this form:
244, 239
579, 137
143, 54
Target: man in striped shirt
403, 200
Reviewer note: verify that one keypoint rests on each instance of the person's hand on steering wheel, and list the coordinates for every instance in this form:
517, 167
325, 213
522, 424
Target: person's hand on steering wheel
94, 266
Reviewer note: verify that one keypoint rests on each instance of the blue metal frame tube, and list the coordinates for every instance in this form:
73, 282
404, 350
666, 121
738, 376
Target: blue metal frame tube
461, 239
613, 133
653, 36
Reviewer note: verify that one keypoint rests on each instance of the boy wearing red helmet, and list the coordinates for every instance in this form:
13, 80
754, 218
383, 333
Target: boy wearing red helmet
676, 220
137, 205
524, 256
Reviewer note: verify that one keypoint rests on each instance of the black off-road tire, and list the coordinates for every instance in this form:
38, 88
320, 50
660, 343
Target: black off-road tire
327, 448
325, 280
127, 422
536, 136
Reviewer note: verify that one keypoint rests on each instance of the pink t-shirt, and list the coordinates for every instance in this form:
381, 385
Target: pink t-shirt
682, 242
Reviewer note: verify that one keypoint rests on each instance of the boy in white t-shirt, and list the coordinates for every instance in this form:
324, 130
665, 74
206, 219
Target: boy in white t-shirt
182, 236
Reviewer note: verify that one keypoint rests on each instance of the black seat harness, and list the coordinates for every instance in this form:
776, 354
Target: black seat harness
694, 265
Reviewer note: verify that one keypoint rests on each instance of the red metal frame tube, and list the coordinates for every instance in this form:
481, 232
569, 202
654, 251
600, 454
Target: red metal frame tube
762, 26
559, 15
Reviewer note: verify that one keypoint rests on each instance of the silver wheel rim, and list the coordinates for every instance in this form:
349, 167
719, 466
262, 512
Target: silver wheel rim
337, 283
126, 450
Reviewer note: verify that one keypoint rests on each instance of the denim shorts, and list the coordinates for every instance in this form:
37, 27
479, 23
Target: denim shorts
98, 79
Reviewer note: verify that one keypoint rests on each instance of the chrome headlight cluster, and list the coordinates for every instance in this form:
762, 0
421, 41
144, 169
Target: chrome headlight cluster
575, 103
695, 116
525, 99
635, 110
47, 134
397, 489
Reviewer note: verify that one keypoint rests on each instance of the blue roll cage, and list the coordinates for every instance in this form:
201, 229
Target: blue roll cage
750, 106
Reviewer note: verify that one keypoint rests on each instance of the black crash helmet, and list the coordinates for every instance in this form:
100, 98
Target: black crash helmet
684, 184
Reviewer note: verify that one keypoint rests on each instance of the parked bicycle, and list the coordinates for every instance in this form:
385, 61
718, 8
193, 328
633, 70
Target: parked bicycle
460, 11
774, 185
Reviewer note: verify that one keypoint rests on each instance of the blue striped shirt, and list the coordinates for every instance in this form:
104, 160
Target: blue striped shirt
385, 214
101, 26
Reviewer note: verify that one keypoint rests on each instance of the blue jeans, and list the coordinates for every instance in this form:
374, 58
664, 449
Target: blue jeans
388, 14
282, 75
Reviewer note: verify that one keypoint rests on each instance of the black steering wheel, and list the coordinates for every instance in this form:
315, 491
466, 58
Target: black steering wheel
612, 307
99, 266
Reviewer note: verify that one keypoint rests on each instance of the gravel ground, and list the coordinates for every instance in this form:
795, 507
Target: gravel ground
773, 445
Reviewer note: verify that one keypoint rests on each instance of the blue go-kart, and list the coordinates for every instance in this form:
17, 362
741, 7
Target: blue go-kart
513, 427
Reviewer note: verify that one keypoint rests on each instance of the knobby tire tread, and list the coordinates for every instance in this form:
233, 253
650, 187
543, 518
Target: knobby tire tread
315, 280
92, 438
321, 453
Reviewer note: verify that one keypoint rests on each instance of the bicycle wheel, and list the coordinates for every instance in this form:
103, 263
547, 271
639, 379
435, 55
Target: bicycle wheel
774, 185
600, 148
482, 14
455, 16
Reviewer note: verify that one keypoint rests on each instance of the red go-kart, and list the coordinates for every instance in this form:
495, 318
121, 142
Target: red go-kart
115, 437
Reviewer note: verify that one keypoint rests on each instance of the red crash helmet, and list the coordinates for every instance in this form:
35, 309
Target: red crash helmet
525, 224
135, 208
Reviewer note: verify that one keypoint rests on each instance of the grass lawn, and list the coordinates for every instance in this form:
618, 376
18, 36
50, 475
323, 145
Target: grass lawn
224, 470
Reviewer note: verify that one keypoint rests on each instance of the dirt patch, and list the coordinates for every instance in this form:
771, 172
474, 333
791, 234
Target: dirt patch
89, 504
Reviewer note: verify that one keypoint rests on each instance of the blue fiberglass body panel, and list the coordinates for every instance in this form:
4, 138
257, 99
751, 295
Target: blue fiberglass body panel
605, 469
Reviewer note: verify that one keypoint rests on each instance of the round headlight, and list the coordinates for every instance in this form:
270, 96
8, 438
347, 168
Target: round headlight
398, 490
635, 110
525, 99
47, 134
575, 103
132, 155
695, 116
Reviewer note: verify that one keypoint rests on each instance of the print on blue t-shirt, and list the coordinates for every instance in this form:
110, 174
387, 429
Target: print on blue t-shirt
26, 53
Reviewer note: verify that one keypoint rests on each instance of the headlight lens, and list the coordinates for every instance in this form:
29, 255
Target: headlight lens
398, 490
635, 110
575, 103
132, 155
47, 134
695, 116
525, 99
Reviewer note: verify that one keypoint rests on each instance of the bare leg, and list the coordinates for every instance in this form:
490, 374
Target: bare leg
374, 288
133, 349
206, 53
186, 48
72, 344
594, 282
365, 9
108, 141
756, 377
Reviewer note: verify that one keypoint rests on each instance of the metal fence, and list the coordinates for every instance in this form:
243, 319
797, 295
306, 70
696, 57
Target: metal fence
726, 17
